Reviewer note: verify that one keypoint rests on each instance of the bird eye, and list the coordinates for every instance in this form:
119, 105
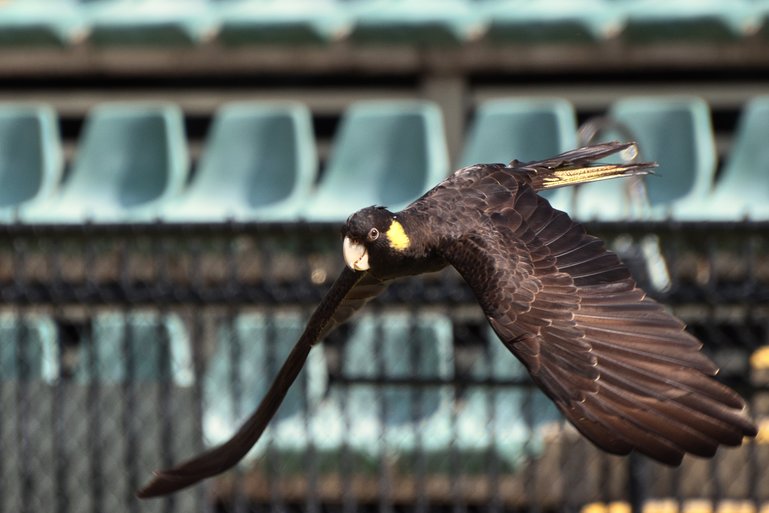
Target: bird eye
373, 234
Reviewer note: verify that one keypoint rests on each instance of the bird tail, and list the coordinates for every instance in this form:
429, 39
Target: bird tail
579, 166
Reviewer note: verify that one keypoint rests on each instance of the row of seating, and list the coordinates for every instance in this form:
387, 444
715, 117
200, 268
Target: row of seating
237, 22
259, 161
366, 417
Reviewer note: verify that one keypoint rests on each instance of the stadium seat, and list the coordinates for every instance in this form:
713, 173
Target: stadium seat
133, 399
384, 153
149, 22
676, 133
525, 129
250, 349
259, 163
130, 160
741, 191
663, 21
507, 418
287, 22
40, 23
398, 417
29, 368
430, 22
30, 156
551, 21
137, 347
28, 348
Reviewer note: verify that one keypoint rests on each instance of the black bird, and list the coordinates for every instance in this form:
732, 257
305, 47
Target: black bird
616, 363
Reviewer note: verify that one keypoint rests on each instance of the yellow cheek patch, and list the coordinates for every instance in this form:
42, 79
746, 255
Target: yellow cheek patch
397, 237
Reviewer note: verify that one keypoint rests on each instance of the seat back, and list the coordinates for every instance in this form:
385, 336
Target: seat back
137, 348
249, 352
522, 128
30, 153
399, 347
129, 155
525, 129
746, 173
384, 153
257, 155
675, 132
28, 348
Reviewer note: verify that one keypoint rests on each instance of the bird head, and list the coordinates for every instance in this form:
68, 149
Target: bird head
371, 235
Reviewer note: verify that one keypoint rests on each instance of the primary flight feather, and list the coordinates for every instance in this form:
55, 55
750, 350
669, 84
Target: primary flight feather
616, 363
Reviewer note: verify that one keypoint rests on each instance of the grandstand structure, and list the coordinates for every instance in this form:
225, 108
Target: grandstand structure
173, 174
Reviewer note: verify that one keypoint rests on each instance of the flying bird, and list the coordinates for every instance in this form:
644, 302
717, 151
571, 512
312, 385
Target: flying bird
617, 364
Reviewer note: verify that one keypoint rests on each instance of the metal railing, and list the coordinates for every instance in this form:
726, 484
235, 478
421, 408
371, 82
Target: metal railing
134, 347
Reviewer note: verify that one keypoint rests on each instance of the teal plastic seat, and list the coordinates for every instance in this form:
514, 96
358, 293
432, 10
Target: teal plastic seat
30, 156
551, 21
286, 22
663, 21
134, 374
385, 153
149, 22
428, 22
402, 417
508, 419
40, 23
142, 347
131, 158
249, 352
28, 348
259, 163
676, 133
742, 190
29, 368
525, 129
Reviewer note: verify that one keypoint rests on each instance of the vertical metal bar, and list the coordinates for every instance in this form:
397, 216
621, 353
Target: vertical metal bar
418, 409
57, 415
566, 467
3, 456
751, 256
236, 392
754, 471
349, 501
492, 391
456, 480
528, 419
637, 489
94, 422
678, 490
312, 501
671, 249
129, 411
275, 478
23, 418
385, 482
717, 492
712, 290
198, 365
165, 404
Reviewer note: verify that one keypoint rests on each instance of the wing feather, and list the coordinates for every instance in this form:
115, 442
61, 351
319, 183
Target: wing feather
619, 366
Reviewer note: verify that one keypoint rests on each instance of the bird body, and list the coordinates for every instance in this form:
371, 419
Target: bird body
620, 367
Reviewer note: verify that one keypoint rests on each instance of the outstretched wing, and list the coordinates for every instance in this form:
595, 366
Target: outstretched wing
348, 293
616, 363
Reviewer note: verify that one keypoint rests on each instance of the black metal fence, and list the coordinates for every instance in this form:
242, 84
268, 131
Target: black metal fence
128, 348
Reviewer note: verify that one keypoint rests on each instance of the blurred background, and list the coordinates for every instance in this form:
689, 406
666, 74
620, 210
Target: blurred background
173, 176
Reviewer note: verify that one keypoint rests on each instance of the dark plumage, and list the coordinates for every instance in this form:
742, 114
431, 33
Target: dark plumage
616, 363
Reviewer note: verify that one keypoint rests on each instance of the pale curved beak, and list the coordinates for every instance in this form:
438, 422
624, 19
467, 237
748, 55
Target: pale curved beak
355, 255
